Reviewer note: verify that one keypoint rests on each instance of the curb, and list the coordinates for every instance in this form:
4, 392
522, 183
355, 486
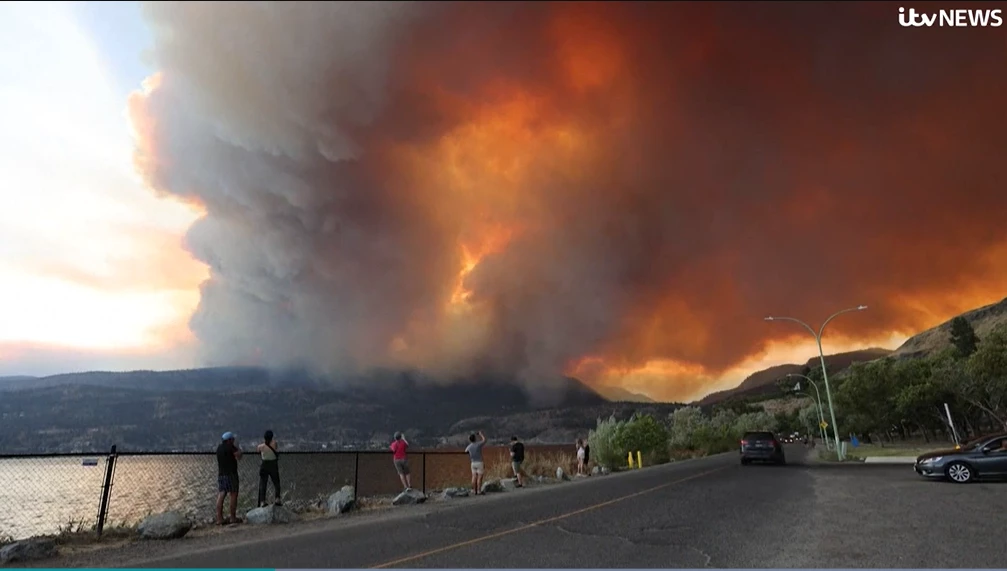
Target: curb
894, 460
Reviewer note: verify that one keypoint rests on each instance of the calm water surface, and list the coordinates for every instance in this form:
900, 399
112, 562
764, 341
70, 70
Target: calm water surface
41, 494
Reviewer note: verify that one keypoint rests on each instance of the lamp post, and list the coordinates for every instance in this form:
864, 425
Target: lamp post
821, 356
821, 412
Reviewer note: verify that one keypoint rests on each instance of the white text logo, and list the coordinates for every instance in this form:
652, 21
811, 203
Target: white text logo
950, 18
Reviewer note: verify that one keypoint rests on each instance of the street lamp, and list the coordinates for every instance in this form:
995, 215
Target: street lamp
821, 355
821, 412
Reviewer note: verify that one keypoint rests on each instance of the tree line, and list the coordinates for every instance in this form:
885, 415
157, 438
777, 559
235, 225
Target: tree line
881, 400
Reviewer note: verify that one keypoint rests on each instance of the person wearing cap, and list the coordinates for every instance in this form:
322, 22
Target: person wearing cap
398, 447
228, 454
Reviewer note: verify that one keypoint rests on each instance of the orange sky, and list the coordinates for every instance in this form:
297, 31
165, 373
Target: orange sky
616, 191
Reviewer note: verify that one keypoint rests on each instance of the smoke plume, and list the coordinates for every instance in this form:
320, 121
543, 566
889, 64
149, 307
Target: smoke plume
531, 189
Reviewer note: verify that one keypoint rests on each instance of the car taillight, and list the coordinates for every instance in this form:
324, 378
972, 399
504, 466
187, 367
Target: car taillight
772, 443
744, 443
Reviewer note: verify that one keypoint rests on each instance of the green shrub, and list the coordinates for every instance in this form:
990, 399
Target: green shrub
644, 434
605, 443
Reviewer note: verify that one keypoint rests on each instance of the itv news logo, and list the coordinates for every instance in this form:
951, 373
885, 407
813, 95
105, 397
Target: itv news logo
950, 18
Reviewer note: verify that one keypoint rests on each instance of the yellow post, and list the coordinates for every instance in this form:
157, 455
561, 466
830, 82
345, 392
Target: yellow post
630, 459
639, 459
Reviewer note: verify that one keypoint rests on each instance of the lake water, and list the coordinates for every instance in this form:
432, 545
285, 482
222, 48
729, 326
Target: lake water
40, 494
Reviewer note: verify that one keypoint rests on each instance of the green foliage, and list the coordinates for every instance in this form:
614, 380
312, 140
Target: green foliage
963, 337
605, 443
645, 434
986, 376
808, 417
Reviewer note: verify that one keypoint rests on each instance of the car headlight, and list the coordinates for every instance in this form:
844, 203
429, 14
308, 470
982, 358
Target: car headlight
931, 460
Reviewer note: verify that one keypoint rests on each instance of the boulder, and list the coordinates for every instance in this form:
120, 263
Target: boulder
455, 493
409, 497
28, 550
596, 470
492, 486
605, 470
270, 514
168, 525
508, 484
342, 501
561, 475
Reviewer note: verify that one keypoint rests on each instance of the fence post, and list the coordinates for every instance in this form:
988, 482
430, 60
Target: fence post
106, 490
424, 473
356, 474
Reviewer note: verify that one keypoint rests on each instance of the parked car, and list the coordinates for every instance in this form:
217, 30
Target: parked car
761, 446
981, 459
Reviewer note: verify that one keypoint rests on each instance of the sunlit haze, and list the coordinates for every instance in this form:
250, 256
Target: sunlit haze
597, 191
93, 269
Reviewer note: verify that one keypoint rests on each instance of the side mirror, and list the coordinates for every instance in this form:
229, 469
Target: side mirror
987, 449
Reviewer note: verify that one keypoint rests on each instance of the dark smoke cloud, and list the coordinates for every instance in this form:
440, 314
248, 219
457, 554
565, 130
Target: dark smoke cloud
637, 181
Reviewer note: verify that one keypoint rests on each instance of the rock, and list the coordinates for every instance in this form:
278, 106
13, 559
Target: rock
455, 493
561, 475
508, 484
540, 479
492, 486
409, 497
342, 501
605, 470
168, 525
270, 514
28, 550
596, 470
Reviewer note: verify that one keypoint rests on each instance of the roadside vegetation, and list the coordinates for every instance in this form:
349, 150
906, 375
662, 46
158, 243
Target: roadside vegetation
894, 407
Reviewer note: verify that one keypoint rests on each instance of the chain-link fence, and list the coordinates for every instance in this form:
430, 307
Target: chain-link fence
45, 494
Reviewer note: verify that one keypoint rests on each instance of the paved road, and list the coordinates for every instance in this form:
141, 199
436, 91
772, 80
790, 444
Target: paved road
709, 512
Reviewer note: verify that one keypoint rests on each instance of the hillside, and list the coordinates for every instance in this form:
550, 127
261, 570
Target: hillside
938, 338
186, 410
764, 382
619, 394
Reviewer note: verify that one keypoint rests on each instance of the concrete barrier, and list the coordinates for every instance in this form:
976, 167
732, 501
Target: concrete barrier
890, 460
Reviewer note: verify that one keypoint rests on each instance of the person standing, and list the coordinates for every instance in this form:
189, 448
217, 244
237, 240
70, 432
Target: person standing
516, 459
475, 452
269, 469
587, 458
228, 454
580, 456
399, 447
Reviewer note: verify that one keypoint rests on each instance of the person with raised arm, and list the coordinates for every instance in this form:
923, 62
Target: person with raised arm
475, 452
398, 447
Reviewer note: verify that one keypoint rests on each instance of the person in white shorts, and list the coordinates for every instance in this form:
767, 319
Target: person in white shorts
475, 452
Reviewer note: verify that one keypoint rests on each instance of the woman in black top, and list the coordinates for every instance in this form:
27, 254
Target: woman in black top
270, 468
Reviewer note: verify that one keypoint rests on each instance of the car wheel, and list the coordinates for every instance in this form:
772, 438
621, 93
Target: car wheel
959, 473
782, 461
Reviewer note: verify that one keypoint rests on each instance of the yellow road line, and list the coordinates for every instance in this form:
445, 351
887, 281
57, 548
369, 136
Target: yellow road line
540, 522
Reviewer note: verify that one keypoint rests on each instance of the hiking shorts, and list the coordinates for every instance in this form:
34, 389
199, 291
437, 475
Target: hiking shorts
227, 483
402, 467
477, 467
516, 465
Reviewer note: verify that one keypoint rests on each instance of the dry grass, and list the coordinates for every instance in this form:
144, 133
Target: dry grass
872, 450
535, 464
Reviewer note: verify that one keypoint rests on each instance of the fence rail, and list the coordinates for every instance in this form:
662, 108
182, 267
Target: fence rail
51, 492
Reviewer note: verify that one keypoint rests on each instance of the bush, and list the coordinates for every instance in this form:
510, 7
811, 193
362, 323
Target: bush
646, 435
605, 443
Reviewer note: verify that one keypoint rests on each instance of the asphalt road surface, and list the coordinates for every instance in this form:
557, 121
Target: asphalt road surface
711, 512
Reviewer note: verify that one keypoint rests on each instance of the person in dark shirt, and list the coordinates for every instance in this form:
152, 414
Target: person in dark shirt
228, 454
587, 458
516, 458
